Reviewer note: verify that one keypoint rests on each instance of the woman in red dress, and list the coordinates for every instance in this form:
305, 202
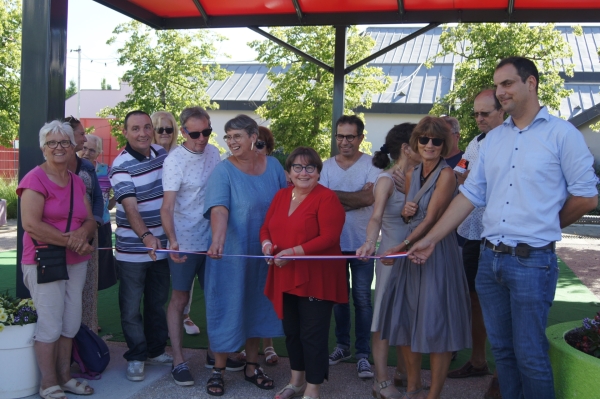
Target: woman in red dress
305, 219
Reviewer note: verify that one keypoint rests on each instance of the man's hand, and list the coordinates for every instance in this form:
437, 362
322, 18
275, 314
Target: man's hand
215, 251
399, 179
421, 251
174, 245
152, 242
368, 186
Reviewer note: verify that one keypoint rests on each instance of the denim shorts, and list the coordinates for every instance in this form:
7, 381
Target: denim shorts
182, 274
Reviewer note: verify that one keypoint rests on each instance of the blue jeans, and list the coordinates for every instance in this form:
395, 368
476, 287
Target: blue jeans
515, 295
362, 277
145, 337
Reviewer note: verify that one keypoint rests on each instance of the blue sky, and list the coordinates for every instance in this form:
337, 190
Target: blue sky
91, 24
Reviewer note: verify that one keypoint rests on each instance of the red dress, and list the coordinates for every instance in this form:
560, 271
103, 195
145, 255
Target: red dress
316, 225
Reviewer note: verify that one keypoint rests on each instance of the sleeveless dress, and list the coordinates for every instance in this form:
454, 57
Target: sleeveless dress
393, 232
427, 307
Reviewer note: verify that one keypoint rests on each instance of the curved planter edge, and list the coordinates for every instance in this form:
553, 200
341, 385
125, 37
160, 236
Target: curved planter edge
576, 374
19, 372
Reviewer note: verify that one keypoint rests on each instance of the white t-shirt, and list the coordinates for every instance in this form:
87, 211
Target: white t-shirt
187, 172
353, 179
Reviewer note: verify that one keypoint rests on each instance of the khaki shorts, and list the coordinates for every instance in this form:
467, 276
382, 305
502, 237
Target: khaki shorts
58, 304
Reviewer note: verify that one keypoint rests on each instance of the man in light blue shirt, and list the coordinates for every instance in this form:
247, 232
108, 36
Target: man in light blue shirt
534, 177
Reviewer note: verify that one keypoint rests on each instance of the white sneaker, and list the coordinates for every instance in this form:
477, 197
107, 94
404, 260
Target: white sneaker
190, 327
135, 370
363, 367
165, 359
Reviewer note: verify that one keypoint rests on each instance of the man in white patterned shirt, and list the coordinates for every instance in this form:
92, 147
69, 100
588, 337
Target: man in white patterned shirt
489, 114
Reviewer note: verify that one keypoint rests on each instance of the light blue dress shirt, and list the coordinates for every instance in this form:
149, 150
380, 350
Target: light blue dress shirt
524, 176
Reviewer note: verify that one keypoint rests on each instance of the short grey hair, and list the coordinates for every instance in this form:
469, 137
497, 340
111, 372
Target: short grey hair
56, 126
453, 123
97, 142
242, 122
193, 112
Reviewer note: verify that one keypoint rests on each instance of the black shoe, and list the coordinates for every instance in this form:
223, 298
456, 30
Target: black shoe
231, 365
181, 375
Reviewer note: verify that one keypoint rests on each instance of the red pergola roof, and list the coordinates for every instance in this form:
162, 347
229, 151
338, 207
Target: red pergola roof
242, 13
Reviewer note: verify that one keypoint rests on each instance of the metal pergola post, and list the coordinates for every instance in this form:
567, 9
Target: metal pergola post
43, 74
339, 75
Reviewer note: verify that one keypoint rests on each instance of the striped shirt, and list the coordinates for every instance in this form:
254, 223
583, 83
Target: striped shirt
135, 175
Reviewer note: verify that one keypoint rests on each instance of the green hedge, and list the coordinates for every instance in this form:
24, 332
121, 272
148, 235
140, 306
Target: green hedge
8, 192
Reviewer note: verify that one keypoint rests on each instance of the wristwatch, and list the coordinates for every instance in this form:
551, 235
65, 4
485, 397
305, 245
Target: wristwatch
407, 243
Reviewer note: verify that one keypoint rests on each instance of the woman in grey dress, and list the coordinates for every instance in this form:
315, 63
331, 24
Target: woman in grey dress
386, 217
426, 309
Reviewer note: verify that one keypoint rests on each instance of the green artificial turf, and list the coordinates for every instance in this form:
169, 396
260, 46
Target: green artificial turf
573, 301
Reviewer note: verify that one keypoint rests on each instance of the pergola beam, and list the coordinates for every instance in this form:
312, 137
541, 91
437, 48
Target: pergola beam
202, 11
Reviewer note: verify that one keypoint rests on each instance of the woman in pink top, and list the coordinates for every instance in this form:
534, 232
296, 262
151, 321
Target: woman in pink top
45, 201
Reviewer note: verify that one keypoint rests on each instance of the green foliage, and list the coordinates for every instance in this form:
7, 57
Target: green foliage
299, 101
71, 90
104, 85
482, 46
8, 191
15, 311
10, 70
169, 70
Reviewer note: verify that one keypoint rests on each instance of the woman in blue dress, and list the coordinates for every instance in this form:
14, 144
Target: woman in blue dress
238, 195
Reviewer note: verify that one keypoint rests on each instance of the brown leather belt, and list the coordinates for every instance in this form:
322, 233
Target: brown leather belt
521, 250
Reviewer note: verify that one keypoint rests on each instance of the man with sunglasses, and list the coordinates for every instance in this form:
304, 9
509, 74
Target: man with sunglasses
351, 175
488, 114
534, 175
185, 173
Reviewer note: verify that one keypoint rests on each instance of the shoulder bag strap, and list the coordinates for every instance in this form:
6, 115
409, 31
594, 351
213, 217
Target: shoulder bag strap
427, 185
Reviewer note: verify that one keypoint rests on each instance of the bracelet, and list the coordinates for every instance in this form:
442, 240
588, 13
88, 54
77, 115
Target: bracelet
146, 234
371, 241
266, 243
294, 251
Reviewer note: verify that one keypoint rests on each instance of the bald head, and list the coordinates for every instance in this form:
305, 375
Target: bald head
487, 111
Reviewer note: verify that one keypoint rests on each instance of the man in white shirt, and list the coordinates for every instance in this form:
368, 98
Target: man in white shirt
351, 175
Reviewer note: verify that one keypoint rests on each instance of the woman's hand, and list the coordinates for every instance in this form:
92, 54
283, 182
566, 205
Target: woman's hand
367, 249
282, 262
215, 251
267, 250
76, 239
175, 257
393, 250
410, 209
86, 249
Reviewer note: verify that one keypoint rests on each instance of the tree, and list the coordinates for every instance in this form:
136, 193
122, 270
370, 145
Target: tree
104, 85
10, 70
482, 46
71, 90
169, 70
299, 101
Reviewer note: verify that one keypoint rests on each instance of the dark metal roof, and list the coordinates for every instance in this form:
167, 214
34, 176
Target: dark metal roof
183, 14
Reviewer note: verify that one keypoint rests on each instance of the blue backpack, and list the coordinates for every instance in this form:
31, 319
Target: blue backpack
91, 353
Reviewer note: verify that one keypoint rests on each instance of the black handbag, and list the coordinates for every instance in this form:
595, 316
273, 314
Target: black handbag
52, 259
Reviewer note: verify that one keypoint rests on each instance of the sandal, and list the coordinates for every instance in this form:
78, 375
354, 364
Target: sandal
400, 379
383, 385
270, 356
310, 397
265, 383
412, 394
76, 387
53, 392
297, 391
241, 357
216, 381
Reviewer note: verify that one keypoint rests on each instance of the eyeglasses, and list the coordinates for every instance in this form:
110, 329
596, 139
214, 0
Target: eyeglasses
296, 167
424, 140
167, 130
482, 114
260, 145
72, 120
350, 137
90, 150
52, 144
236, 137
194, 135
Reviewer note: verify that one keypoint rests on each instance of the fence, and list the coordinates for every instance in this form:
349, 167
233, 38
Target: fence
9, 163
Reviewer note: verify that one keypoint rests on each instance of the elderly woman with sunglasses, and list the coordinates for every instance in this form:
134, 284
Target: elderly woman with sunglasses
306, 218
238, 194
426, 308
45, 202
165, 130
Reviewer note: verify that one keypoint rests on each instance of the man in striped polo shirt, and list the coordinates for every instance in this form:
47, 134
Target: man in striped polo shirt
136, 177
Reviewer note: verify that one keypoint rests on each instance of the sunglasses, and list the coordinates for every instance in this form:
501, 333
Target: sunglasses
167, 130
482, 114
194, 135
424, 140
260, 145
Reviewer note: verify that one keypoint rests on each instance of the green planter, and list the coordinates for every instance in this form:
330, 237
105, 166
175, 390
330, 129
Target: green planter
576, 374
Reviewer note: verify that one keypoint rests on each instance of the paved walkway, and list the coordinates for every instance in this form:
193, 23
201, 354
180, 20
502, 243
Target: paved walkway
579, 248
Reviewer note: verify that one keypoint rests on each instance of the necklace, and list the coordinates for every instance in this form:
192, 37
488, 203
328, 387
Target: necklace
295, 197
424, 178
